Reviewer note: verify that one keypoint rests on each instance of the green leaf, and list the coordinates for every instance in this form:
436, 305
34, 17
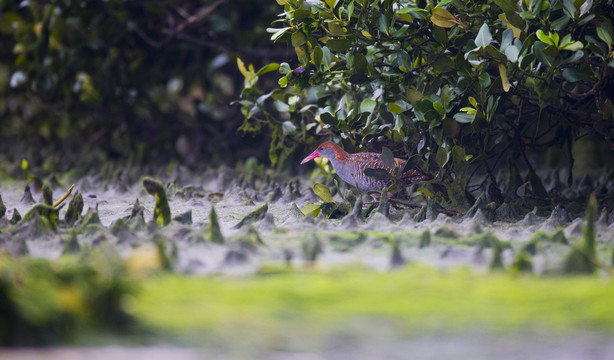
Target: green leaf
496, 54
377, 174
267, 68
442, 157
426, 109
541, 55
336, 29
425, 191
437, 106
301, 14
484, 79
331, 3
573, 46
350, 10
555, 38
462, 65
394, 108
543, 37
278, 33
409, 9
382, 24
283, 81
284, 68
560, 23
241, 67
298, 38
313, 209
504, 80
368, 105
338, 45
575, 56
512, 52
506, 39
484, 37
387, 157
442, 18
444, 64
360, 63
327, 58
569, 8
316, 56
577, 74
323, 192
464, 118
604, 35
411, 163
507, 5
585, 20
328, 118
515, 20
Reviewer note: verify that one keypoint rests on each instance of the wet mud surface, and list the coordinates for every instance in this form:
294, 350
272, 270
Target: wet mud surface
281, 232
261, 225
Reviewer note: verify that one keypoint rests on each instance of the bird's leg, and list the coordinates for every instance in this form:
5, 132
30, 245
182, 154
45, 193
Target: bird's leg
405, 202
376, 195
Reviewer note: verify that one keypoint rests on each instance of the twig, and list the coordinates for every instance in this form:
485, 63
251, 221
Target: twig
231, 48
176, 30
61, 200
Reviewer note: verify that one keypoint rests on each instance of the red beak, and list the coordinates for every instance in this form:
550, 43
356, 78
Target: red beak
311, 156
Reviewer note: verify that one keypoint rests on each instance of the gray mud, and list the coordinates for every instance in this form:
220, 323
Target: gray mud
284, 235
285, 231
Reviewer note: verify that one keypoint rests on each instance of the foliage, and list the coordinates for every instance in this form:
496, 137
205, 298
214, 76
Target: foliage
488, 92
138, 80
46, 302
327, 206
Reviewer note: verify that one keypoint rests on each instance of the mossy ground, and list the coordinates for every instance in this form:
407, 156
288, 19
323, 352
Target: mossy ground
415, 298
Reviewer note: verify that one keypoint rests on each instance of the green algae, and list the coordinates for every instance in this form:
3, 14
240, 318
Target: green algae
2, 208
214, 233
425, 239
47, 195
312, 248
71, 244
52, 301
162, 211
522, 262
257, 214
397, 259
384, 204
75, 208
416, 298
46, 212
583, 257
16, 217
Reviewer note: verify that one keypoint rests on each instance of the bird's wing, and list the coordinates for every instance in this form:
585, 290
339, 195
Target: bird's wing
412, 175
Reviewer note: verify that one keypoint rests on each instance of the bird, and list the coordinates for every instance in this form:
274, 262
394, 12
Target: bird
351, 167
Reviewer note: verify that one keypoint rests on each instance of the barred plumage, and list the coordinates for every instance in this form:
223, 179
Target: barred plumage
351, 167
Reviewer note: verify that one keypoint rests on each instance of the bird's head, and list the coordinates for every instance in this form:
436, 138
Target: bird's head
328, 150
